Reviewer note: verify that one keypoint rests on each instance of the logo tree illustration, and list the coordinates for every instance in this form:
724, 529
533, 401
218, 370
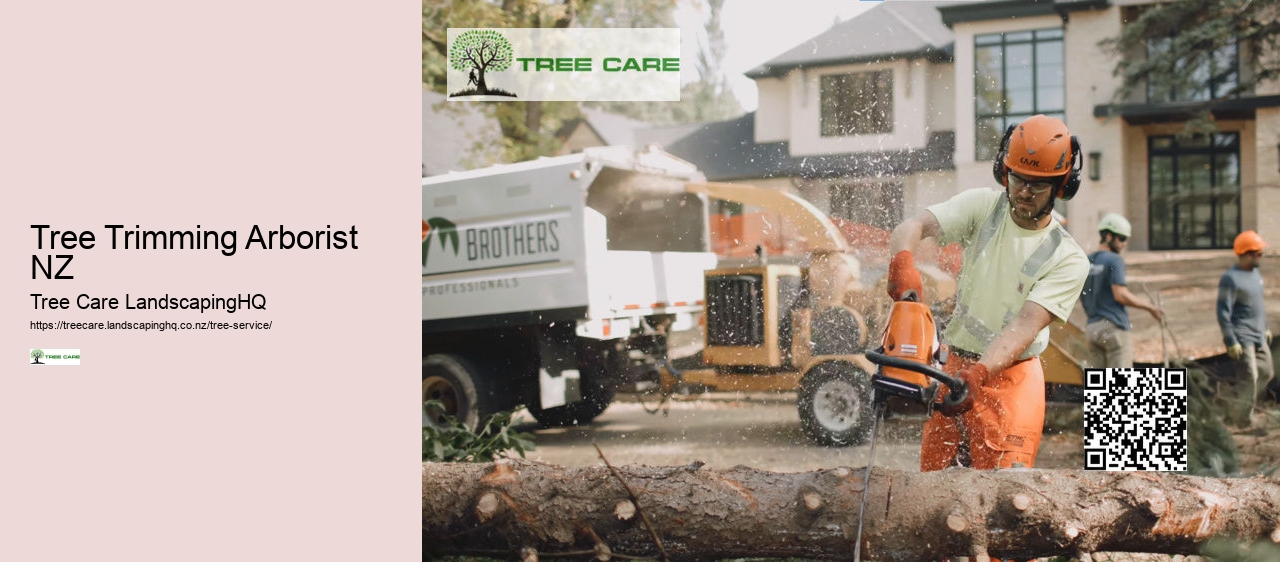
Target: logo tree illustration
36, 354
448, 233
478, 51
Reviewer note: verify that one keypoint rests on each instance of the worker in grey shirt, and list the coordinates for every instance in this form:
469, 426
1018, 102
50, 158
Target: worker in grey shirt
1105, 296
1242, 316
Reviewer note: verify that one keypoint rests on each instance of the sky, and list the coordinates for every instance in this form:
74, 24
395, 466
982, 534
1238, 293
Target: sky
754, 35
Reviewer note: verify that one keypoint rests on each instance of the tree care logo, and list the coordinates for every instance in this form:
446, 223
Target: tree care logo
563, 64
478, 52
448, 235
54, 356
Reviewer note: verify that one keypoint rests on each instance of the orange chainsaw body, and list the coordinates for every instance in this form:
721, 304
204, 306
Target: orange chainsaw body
910, 334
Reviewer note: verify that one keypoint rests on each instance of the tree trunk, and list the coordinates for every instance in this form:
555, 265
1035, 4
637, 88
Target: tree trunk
703, 514
533, 118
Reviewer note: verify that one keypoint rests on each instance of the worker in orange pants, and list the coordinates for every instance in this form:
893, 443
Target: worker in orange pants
991, 435
1021, 272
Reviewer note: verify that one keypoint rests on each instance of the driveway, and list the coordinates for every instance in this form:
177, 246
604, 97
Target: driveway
761, 431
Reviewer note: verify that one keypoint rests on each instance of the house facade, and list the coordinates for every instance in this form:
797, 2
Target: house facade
903, 107
858, 120
1179, 193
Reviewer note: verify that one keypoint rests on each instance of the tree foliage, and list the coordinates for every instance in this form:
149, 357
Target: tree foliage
454, 442
706, 99
481, 49
529, 127
1190, 34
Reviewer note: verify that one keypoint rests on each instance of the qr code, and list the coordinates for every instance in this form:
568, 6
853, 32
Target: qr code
1135, 419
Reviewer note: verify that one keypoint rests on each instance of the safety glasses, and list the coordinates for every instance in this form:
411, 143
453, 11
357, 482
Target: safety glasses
1037, 187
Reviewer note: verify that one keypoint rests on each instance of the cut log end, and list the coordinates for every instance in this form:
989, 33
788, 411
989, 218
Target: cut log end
711, 523
812, 502
487, 506
1021, 502
1157, 505
624, 510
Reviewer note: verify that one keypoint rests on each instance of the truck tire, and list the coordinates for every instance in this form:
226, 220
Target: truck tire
596, 397
835, 405
459, 385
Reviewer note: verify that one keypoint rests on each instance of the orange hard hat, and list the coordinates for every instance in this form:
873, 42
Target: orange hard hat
1040, 147
1249, 241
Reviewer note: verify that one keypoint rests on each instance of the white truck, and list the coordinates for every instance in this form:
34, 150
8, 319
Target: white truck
553, 282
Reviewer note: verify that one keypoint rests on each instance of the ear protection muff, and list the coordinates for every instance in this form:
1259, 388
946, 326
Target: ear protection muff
998, 169
1071, 182
1072, 185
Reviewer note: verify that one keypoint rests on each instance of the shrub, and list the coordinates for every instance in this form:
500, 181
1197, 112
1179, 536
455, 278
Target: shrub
456, 443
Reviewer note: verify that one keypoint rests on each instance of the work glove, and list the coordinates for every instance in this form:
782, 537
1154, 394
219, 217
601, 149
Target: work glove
904, 278
1235, 351
973, 376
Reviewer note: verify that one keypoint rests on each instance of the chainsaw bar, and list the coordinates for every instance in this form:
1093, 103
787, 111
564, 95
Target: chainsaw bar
880, 404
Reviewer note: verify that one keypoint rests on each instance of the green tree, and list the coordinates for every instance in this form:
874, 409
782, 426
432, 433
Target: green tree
708, 98
528, 127
478, 51
1172, 43
37, 354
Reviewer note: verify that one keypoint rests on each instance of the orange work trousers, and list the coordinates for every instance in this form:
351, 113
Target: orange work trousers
1002, 430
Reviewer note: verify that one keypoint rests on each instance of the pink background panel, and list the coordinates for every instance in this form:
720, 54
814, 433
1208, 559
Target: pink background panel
298, 443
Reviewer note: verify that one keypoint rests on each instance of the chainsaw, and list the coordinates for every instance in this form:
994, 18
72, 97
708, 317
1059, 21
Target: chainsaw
909, 356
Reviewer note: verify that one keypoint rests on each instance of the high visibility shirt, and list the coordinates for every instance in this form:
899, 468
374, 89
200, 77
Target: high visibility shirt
1005, 266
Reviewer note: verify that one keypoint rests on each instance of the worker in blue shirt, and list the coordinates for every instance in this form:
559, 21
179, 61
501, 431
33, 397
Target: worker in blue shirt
1242, 316
1105, 296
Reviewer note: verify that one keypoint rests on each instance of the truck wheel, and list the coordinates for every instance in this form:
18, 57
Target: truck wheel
456, 383
596, 397
835, 405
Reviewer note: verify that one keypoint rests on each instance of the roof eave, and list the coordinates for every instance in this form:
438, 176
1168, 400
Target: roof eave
943, 54
1005, 9
1143, 113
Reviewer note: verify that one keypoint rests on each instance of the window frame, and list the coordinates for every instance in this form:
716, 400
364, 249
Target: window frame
880, 121
1218, 198
986, 147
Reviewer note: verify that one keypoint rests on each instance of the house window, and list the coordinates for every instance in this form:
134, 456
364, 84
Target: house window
860, 103
1016, 75
1201, 78
870, 203
1194, 191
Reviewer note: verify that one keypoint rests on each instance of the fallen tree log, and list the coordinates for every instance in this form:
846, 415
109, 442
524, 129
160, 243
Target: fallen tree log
697, 513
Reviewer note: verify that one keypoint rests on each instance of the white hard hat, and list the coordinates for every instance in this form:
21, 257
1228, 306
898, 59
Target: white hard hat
1115, 223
